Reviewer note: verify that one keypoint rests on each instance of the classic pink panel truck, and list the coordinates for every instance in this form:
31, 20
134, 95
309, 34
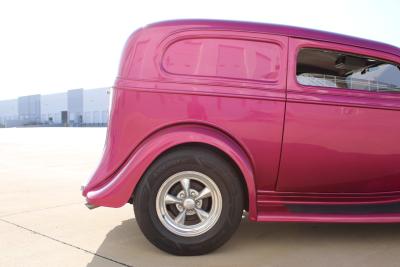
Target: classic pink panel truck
210, 118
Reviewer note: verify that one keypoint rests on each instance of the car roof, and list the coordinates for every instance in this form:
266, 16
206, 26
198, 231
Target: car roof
284, 30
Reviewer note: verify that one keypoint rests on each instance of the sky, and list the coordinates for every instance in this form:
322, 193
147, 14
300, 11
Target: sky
52, 46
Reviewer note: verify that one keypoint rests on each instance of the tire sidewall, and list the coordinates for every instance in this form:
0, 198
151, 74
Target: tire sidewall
208, 163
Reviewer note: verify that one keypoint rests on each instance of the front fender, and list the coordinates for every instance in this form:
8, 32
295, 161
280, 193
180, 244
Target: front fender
117, 190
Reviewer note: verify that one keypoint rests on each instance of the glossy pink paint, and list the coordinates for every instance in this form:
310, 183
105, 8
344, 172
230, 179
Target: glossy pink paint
293, 144
350, 144
119, 189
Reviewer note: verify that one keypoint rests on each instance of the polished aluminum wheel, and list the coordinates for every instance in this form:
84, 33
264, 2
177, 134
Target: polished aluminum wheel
189, 203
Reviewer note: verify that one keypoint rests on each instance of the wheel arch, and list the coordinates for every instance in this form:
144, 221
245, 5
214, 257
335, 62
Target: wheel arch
119, 190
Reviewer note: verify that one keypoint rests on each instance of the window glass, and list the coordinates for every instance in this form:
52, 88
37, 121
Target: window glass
225, 58
325, 68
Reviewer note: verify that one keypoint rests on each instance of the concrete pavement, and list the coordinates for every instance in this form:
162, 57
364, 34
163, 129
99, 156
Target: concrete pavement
43, 221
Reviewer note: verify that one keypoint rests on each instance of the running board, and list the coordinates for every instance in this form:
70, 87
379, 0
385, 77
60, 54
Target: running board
349, 209
346, 213
329, 218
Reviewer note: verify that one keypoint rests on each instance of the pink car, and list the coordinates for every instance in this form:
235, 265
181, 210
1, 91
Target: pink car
210, 118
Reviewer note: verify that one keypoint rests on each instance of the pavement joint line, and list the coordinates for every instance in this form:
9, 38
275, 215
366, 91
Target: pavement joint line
64, 243
37, 210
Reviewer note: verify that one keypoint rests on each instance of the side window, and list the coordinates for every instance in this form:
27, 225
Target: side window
316, 67
224, 58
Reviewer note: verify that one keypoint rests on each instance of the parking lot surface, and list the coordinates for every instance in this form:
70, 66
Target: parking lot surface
43, 221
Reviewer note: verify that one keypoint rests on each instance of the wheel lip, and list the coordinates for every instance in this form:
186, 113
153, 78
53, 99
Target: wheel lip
189, 230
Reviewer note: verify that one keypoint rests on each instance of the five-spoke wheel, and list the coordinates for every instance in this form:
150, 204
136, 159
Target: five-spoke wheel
189, 203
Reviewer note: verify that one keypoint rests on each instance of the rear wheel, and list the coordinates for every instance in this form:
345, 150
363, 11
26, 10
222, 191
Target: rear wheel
189, 202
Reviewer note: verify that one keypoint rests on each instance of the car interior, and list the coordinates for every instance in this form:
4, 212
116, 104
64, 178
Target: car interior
316, 67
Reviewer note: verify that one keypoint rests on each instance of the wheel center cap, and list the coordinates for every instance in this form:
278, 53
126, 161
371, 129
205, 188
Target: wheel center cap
189, 204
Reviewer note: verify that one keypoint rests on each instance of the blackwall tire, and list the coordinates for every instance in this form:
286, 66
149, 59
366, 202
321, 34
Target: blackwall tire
190, 201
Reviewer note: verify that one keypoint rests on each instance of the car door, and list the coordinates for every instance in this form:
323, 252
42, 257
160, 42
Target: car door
342, 122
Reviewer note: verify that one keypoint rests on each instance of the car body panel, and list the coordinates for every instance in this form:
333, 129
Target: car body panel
140, 106
339, 140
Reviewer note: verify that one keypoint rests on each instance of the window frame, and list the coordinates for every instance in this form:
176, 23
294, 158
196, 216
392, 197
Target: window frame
296, 44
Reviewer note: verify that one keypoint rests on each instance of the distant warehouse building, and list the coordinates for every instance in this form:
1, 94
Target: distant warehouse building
29, 109
75, 107
52, 107
8, 113
95, 106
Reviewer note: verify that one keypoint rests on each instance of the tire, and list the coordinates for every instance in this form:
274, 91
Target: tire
197, 233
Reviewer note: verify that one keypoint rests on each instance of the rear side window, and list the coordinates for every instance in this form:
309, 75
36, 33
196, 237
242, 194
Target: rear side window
327, 68
224, 58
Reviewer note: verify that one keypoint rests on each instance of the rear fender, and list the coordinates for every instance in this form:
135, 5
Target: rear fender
118, 189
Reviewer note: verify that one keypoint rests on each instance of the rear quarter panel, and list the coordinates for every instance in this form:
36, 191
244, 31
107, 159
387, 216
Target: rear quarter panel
148, 99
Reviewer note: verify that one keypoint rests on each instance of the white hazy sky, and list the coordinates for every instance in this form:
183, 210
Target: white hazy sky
52, 46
